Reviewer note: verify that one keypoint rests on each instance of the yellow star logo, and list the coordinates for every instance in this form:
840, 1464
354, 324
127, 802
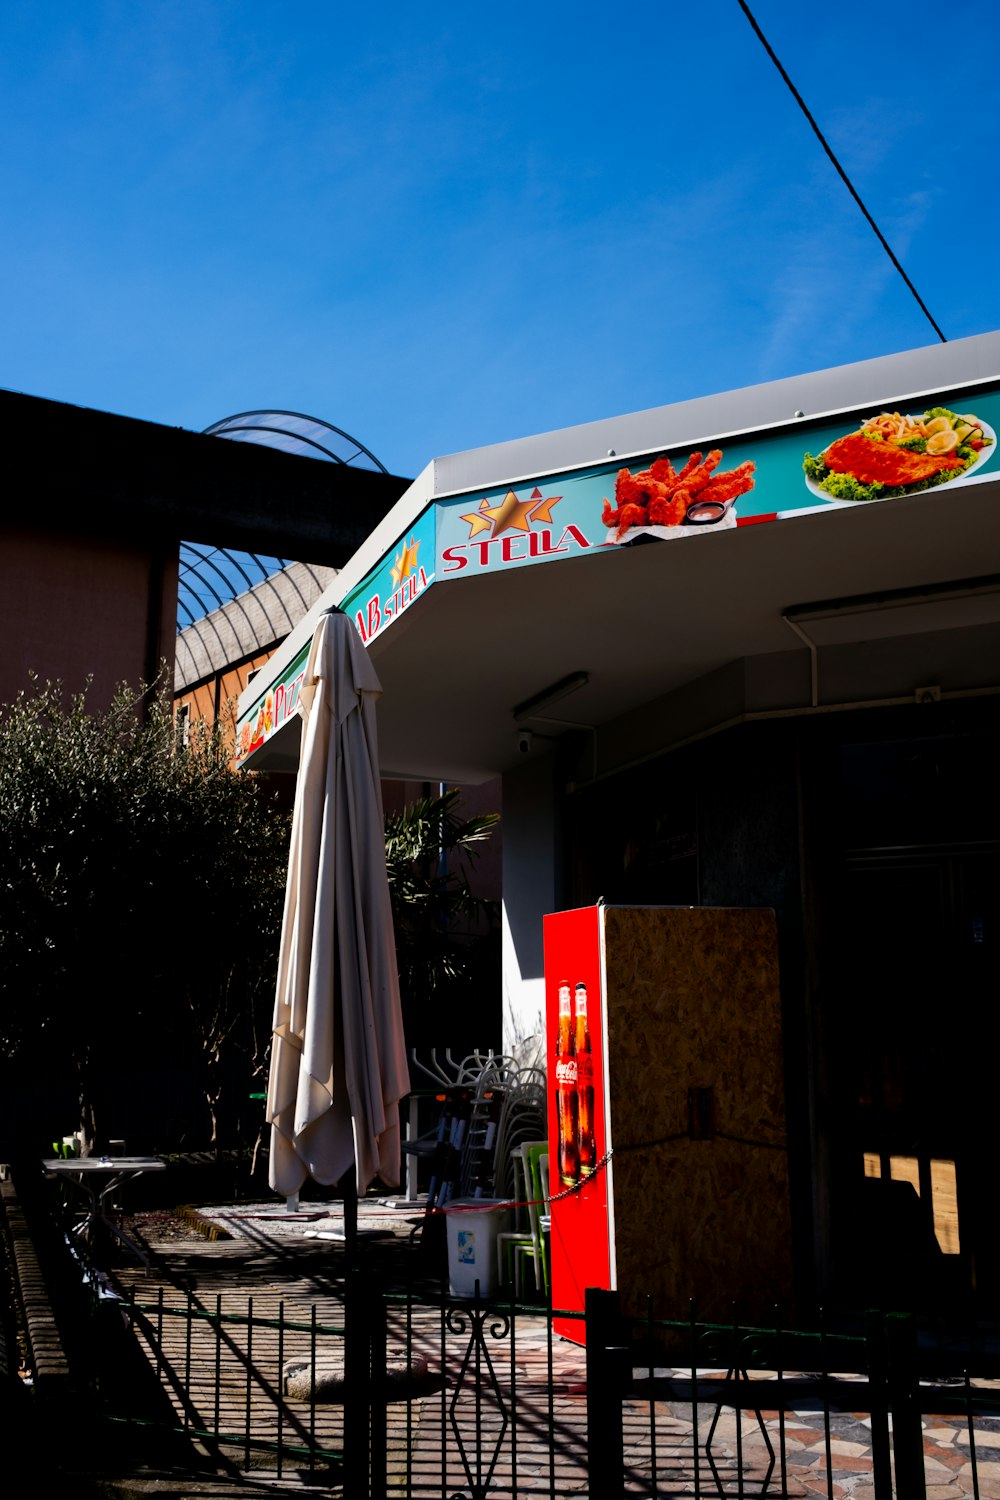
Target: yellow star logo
510, 515
405, 563
543, 509
478, 520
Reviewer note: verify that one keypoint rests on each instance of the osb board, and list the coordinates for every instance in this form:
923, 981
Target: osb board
692, 1001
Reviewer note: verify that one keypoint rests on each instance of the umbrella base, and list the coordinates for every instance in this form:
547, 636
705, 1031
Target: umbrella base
341, 1236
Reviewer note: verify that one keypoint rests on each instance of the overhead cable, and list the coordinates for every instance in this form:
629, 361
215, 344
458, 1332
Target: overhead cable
846, 180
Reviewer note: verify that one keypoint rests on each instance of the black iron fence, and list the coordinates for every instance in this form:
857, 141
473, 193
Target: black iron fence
387, 1395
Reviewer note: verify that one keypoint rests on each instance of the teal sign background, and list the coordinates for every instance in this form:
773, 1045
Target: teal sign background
544, 520
574, 502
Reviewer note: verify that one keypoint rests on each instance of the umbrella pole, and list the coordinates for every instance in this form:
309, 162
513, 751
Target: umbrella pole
350, 1186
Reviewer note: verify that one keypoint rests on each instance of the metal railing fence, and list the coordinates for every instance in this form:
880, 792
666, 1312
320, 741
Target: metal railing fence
387, 1395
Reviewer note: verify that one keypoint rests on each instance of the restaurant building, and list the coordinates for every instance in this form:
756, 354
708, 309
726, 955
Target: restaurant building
765, 677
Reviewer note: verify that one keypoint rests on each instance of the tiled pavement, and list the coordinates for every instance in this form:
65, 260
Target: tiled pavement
288, 1265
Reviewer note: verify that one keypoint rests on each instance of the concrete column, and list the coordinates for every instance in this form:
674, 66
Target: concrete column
530, 886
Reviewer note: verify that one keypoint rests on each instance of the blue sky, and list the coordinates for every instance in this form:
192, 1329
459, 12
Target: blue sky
444, 226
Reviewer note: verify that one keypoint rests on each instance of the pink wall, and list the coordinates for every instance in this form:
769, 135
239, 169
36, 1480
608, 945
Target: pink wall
75, 606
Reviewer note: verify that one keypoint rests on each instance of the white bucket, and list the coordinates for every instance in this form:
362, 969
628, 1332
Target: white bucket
472, 1243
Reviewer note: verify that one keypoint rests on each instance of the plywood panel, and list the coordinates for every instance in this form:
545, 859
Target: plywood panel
693, 1003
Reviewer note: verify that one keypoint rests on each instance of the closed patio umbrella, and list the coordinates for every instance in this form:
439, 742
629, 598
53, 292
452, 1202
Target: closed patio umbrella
338, 1060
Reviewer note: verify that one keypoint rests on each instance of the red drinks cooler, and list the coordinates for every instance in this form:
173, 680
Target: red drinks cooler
683, 1020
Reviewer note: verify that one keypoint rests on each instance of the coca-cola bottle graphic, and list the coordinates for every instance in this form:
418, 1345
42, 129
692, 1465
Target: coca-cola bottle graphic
567, 1102
586, 1143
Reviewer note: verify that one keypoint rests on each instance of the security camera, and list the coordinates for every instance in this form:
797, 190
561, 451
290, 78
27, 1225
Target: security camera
524, 741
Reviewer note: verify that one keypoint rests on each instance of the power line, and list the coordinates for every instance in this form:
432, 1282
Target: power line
846, 180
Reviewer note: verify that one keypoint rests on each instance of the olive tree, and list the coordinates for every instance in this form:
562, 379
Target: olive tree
141, 885
141, 892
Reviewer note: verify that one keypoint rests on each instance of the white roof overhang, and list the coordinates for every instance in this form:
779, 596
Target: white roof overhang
641, 622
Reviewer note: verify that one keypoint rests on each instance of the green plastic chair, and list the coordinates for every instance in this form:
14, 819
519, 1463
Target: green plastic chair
534, 1247
511, 1241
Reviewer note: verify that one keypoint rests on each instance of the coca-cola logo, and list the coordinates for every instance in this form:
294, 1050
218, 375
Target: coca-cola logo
585, 1067
566, 1072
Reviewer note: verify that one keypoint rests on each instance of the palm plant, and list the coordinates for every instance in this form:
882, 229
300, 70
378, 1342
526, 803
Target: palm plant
447, 937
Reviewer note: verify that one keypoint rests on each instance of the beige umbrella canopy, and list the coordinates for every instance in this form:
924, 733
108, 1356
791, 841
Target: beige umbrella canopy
338, 1059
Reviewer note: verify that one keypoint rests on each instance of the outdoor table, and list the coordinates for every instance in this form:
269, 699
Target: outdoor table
95, 1178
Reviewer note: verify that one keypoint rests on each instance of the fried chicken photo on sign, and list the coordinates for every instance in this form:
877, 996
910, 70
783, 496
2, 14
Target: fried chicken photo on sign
662, 496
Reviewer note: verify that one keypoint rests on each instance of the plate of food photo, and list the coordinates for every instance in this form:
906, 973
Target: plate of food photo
892, 455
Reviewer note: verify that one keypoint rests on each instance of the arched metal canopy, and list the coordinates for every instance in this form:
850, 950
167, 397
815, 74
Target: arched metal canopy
210, 577
294, 432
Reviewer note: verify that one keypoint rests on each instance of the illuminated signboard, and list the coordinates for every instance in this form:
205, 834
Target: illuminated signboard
398, 580
666, 495
273, 708
680, 494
